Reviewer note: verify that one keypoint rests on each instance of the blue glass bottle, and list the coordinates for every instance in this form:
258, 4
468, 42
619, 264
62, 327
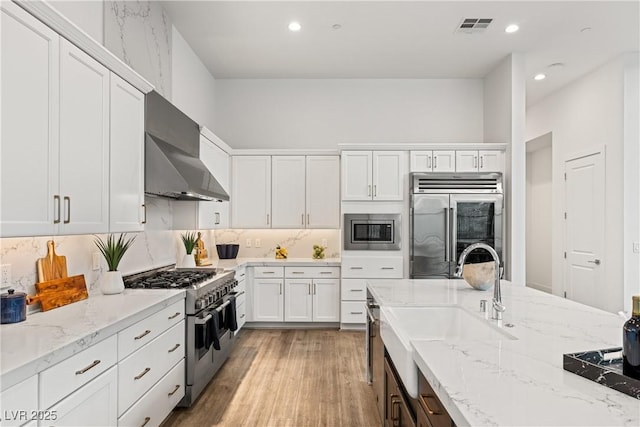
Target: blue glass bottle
631, 342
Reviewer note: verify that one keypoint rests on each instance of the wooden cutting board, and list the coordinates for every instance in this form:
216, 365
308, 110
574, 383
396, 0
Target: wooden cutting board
58, 292
52, 266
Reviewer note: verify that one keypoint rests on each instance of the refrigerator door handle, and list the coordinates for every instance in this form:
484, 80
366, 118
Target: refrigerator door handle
453, 239
447, 235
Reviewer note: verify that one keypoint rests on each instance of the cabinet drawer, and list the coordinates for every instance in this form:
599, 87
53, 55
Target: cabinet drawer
241, 313
354, 289
372, 267
353, 312
154, 406
312, 272
429, 402
268, 272
143, 332
18, 403
72, 373
140, 371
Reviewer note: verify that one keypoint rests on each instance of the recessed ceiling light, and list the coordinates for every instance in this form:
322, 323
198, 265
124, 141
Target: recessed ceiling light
336, 26
540, 76
511, 28
294, 26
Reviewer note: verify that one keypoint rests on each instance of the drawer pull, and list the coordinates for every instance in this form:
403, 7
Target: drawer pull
355, 268
357, 312
423, 400
268, 272
242, 316
142, 335
174, 390
356, 290
326, 272
175, 315
142, 374
82, 371
146, 420
297, 272
388, 268
174, 348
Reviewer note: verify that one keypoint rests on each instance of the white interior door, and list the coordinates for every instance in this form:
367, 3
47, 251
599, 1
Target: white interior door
584, 229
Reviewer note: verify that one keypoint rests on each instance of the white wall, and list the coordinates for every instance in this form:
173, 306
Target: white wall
589, 113
310, 113
538, 216
88, 15
504, 121
192, 84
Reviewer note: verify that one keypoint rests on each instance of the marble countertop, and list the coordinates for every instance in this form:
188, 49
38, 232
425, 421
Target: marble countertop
516, 382
233, 264
46, 338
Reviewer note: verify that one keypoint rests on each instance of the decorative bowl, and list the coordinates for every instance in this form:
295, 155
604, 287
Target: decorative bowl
480, 276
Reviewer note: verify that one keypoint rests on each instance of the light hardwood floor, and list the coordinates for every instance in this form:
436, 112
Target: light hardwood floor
291, 378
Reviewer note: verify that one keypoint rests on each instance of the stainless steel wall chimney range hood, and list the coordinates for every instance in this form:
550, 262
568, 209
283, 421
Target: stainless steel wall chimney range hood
173, 167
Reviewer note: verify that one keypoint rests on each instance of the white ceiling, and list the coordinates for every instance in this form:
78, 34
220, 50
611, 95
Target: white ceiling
402, 39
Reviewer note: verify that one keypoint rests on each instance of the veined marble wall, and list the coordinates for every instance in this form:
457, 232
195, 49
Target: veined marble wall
299, 243
139, 33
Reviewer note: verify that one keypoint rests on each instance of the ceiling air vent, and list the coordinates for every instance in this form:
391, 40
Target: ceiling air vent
473, 25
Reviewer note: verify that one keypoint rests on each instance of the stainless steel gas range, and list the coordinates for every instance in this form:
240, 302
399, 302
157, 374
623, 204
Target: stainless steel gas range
211, 318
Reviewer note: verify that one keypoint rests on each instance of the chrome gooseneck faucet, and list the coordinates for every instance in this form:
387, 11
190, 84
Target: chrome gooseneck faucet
497, 306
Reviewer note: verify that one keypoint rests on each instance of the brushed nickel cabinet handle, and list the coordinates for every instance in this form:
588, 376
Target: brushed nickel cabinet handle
142, 374
142, 335
146, 420
435, 162
217, 218
475, 161
388, 268
356, 290
56, 198
314, 288
92, 365
174, 390
428, 162
144, 212
357, 312
297, 272
326, 272
242, 316
174, 316
481, 162
267, 219
596, 262
375, 190
309, 288
280, 287
308, 219
355, 268
302, 218
67, 200
174, 348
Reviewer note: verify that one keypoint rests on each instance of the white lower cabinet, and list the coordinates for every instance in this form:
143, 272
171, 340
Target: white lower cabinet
158, 402
95, 404
310, 298
19, 403
268, 300
298, 301
326, 300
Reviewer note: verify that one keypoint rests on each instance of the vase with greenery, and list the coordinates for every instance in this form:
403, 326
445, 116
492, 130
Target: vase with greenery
113, 250
189, 239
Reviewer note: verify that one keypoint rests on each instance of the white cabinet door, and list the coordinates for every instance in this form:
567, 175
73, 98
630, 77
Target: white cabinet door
323, 189
95, 404
444, 161
29, 57
357, 175
421, 161
19, 402
491, 161
251, 194
288, 192
388, 173
466, 161
84, 142
214, 214
298, 302
326, 300
268, 300
126, 177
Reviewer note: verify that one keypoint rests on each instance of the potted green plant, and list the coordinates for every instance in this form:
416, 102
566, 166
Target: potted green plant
189, 239
113, 250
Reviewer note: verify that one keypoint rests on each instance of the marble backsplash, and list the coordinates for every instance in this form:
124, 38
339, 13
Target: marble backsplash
139, 33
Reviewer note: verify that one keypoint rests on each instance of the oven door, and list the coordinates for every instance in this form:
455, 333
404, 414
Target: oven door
476, 218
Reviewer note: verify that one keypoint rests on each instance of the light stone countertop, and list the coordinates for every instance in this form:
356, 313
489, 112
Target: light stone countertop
232, 264
46, 338
516, 382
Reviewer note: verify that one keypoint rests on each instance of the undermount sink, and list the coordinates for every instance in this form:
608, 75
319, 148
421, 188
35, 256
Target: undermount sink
401, 325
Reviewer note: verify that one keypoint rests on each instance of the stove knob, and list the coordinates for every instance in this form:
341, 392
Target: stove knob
210, 298
198, 304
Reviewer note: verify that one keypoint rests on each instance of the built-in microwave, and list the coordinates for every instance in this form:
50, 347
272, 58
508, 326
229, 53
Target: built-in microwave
372, 232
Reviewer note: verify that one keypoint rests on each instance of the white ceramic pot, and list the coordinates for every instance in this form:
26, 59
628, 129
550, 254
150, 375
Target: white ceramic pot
112, 283
189, 261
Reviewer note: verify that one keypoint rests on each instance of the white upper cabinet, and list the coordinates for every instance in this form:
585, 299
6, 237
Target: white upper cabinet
433, 161
288, 197
251, 192
126, 205
373, 175
206, 215
479, 161
84, 142
29, 56
323, 189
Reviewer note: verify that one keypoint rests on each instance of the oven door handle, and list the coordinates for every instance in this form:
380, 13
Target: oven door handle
239, 293
370, 314
205, 319
219, 309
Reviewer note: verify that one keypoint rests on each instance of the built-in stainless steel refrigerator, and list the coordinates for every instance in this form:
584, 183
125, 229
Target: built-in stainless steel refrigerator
448, 213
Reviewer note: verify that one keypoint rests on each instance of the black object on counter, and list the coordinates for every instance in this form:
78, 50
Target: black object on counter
13, 308
229, 251
606, 370
631, 342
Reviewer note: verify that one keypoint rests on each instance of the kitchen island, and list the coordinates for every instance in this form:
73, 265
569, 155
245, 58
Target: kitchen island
518, 380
